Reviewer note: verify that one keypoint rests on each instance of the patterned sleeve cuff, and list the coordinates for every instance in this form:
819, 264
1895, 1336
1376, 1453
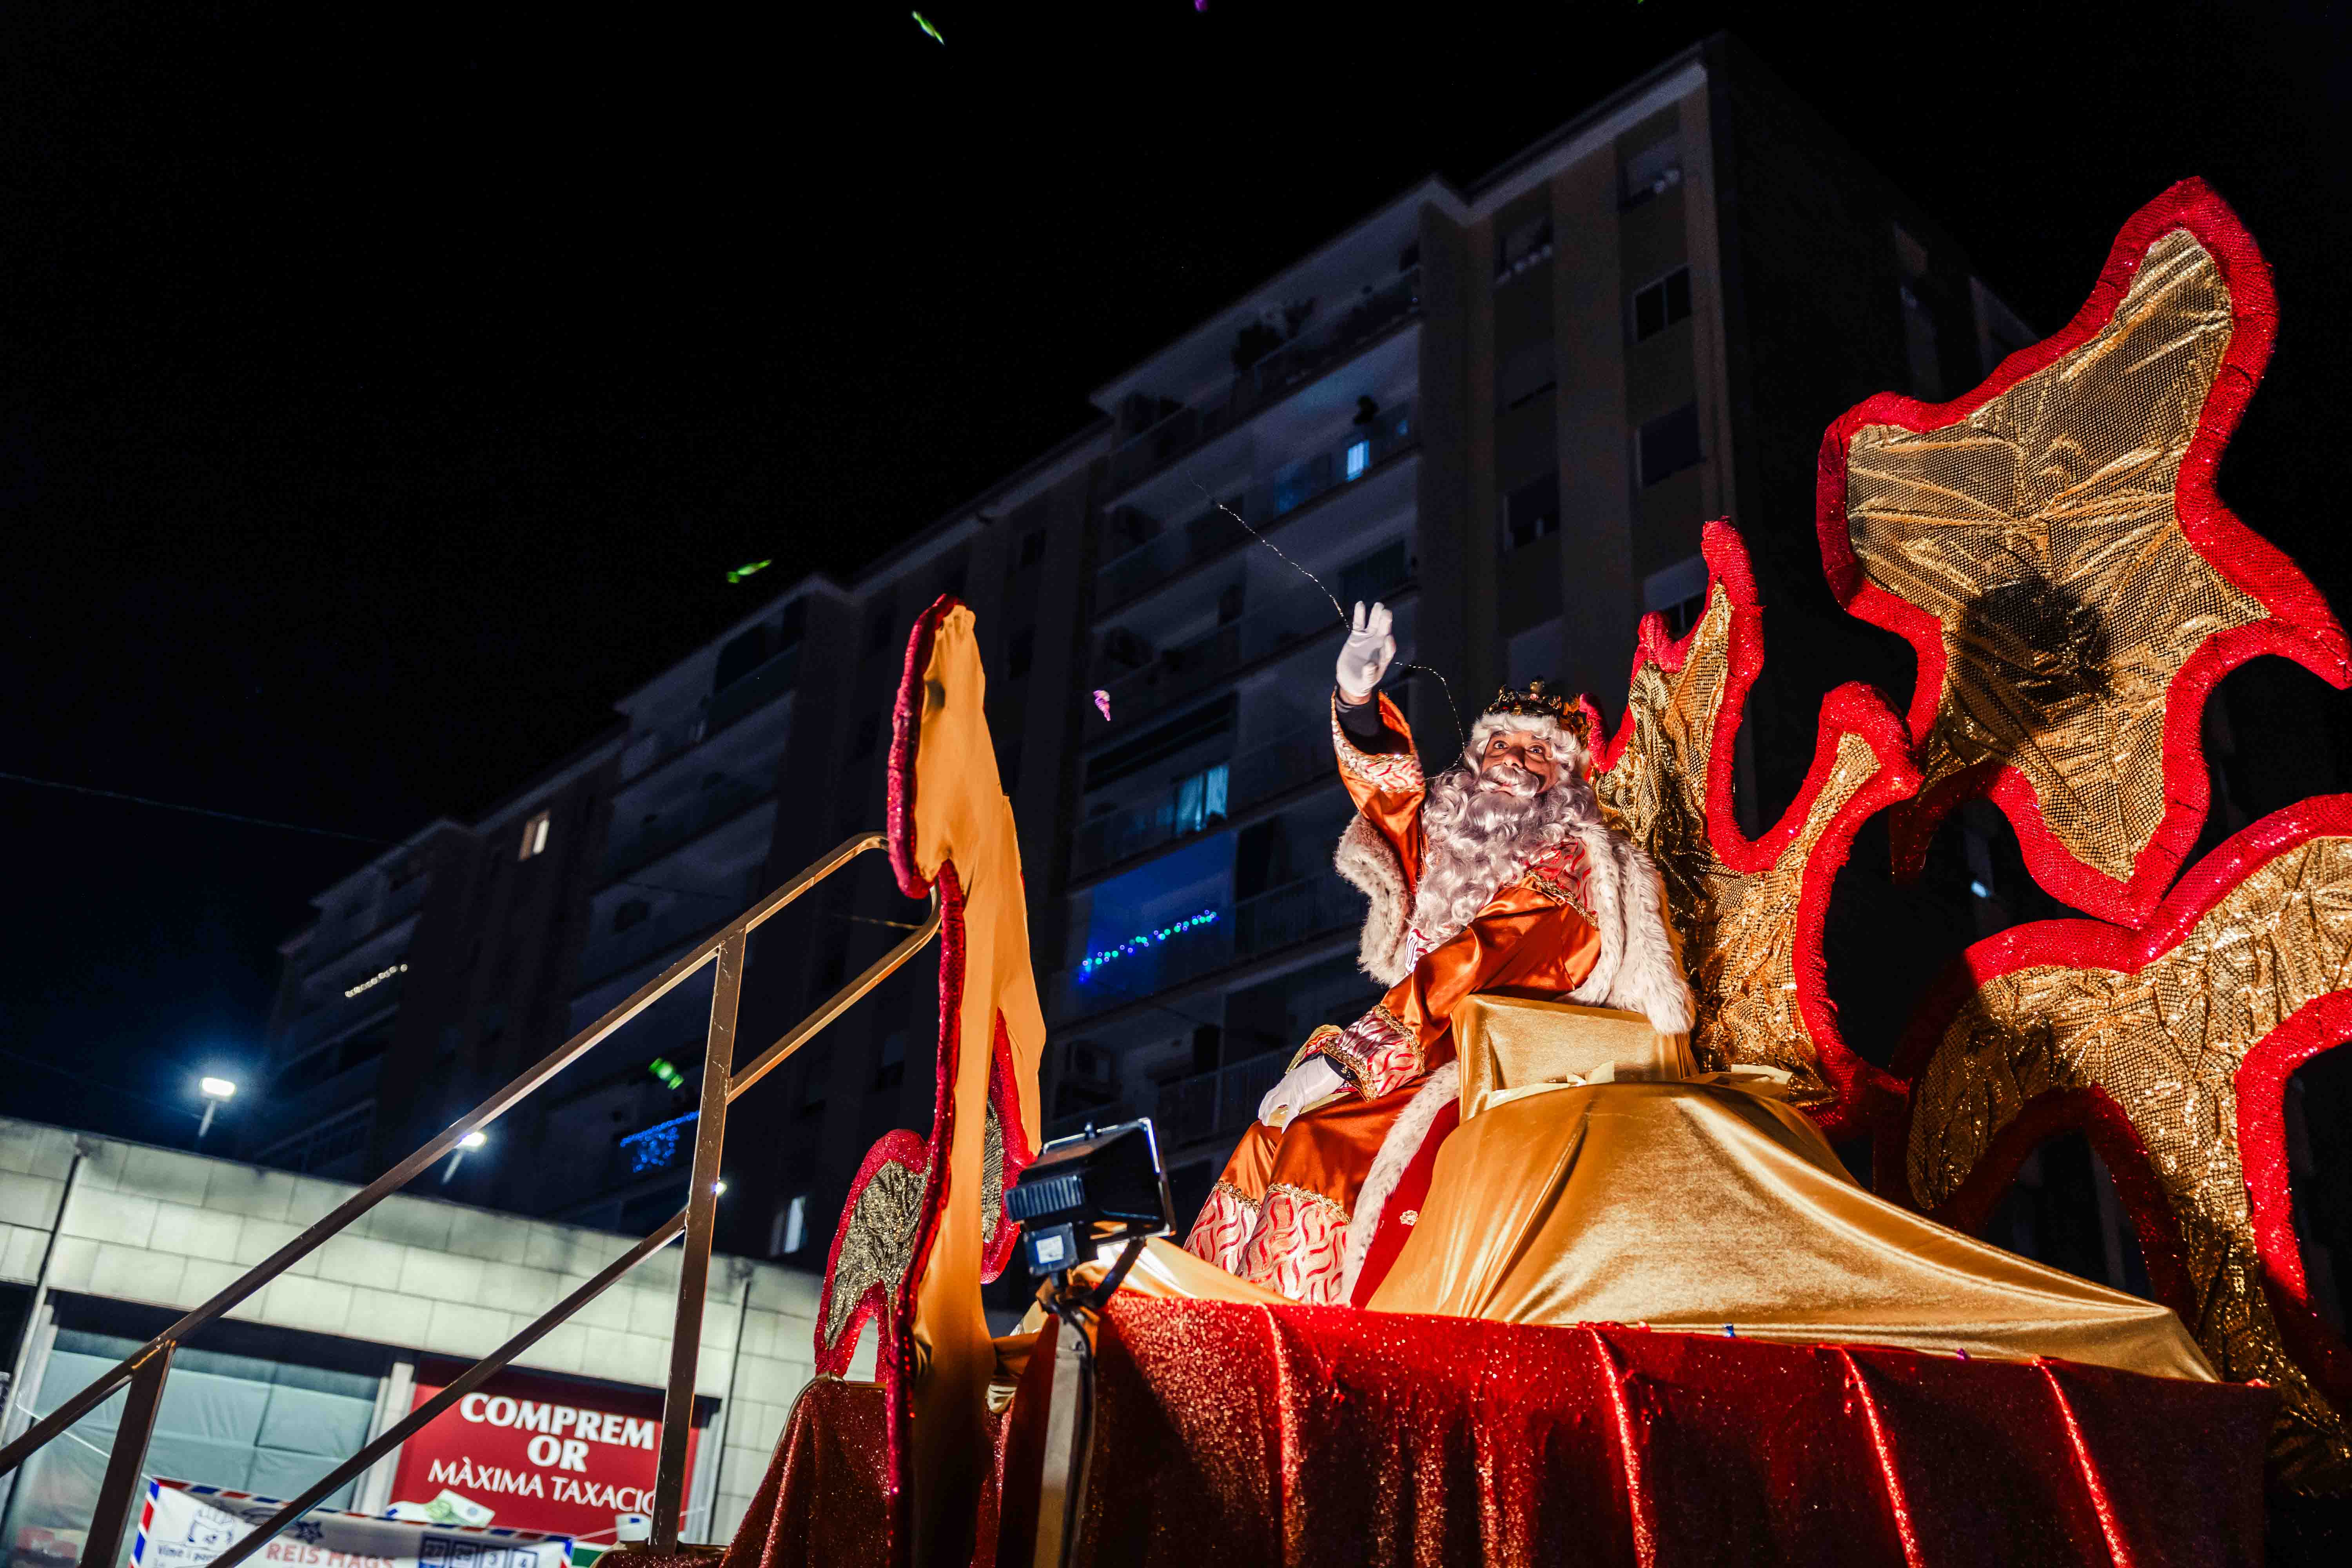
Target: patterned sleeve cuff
1391, 773
1376, 1054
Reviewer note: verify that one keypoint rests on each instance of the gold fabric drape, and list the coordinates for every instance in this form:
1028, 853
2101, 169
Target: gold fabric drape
1512, 1046
1697, 1206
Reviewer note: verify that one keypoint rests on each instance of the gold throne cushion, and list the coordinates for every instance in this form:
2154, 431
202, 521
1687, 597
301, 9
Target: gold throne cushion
1512, 1046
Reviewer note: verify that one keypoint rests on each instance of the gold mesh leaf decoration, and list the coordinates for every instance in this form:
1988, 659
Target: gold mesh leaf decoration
2041, 531
2165, 1043
878, 1243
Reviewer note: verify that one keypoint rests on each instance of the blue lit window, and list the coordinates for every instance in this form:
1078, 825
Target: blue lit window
1360, 457
1200, 800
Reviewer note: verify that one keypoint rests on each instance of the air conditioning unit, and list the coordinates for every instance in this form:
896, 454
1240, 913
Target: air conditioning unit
1088, 1064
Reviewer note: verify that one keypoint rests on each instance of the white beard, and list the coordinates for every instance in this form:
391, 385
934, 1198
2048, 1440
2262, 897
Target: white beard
1479, 840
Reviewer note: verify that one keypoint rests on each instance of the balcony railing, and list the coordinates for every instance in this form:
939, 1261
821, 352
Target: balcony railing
1277, 626
666, 832
1213, 531
1263, 383
754, 690
647, 939
310, 1029
1206, 1105
1258, 775
1310, 907
397, 905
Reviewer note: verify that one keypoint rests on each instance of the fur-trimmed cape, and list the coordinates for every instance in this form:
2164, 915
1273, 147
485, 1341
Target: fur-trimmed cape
1637, 969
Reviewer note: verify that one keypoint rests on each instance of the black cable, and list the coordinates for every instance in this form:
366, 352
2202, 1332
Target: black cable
193, 810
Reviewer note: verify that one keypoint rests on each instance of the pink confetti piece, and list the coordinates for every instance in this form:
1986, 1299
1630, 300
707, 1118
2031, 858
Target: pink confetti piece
1102, 705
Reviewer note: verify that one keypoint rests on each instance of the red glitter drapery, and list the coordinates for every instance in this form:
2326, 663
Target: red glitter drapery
1308, 1436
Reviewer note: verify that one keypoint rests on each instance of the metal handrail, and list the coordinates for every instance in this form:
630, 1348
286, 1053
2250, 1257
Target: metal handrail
147, 1366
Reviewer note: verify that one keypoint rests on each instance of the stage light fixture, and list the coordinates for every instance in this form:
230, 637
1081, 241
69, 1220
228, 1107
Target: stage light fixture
1088, 1191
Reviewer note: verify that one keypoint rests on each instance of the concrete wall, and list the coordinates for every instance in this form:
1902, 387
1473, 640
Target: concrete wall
171, 1229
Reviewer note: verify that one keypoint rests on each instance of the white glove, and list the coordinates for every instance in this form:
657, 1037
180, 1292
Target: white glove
1366, 656
1301, 1086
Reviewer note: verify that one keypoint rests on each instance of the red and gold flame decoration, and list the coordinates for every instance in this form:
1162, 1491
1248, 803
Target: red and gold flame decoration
1749, 913
2052, 547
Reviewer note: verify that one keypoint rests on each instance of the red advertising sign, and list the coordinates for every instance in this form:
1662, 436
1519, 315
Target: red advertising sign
538, 1453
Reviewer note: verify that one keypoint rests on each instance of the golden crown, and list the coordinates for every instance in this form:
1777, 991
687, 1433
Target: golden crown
1535, 701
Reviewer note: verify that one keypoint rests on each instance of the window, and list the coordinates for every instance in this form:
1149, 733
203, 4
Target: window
739, 657
1525, 246
890, 1068
830, 975
880, 622
632, 913
1662, 304
1678, 593
1200, 799
1360, 457
1375, 574
1021, 652
534, 836
1652, 172
869, 727
790, 1231
1531, 513
1667, 445
1033, 547
818, 1078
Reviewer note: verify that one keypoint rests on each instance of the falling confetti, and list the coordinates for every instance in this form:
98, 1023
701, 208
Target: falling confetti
925, 23
743, 572
1102, 705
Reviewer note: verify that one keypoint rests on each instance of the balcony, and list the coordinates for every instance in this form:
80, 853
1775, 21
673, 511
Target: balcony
682, 825
314, 1029
370, 922
1266, 382
1208, 1104
1276, 626
1310, 907
649, 938
1257, 775
1171, 551
754, 690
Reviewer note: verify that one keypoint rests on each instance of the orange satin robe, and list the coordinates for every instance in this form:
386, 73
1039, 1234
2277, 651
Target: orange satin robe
1279, 1214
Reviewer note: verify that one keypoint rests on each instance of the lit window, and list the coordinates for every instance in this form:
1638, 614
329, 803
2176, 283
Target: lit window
1360, 457
792, 1227
534, 836
1200, 800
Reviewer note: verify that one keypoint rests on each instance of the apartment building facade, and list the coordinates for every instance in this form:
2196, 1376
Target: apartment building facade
1506, 410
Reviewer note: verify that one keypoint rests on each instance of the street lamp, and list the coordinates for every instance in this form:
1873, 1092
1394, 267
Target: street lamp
473, 1139
214, 1091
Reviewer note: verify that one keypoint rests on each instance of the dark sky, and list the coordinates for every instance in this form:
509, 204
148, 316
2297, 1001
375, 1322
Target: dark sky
385, 388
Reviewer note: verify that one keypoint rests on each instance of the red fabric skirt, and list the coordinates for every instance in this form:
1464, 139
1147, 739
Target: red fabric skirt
1311, 1436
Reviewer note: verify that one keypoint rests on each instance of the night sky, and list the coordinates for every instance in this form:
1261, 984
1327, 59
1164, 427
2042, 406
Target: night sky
384, 389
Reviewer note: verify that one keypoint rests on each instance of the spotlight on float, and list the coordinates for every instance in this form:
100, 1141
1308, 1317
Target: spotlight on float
1089, 1191
214, 1091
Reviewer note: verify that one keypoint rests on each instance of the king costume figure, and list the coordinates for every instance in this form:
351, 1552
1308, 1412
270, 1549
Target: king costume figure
1497, 877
